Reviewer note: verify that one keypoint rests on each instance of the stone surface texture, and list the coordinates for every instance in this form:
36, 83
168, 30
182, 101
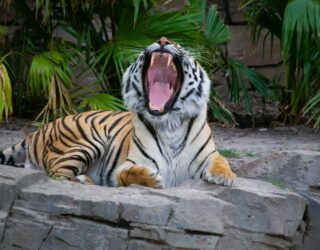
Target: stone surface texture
288, 157
39, 213
297, 170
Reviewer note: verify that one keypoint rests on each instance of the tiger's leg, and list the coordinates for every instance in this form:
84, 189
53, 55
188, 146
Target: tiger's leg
129, 173
219, 172
69, 167
64, 173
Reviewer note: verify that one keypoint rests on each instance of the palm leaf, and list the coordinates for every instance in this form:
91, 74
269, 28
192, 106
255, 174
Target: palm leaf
241, 78
264, 14
59, 102
216, 32
297, 24
313, 110
301, 20
44, 66
5, 92
136, 4
102, 101
219, 111
50, 74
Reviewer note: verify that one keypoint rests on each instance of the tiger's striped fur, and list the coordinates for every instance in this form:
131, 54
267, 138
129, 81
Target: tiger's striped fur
93, 142
122, 148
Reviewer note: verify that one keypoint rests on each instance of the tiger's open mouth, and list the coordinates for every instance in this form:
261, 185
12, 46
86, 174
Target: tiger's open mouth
162, 81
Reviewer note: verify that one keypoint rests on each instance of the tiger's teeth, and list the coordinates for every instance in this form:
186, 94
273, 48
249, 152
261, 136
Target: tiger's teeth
150, 106
152, 59
162, 108
173, 66
169, 60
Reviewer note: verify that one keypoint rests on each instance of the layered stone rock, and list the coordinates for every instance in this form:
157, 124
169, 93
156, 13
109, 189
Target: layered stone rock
40, 213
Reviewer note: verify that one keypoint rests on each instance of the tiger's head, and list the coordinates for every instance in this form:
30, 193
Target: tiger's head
166, 84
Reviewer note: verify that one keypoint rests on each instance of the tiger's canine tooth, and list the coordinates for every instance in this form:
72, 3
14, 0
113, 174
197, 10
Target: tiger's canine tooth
162, 108
150, 106
169, 60
173, 66
152, 59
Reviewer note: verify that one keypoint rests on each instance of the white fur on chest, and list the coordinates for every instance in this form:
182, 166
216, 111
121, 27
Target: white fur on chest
171, 151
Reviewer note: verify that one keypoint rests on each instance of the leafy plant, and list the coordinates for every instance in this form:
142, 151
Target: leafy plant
102, 101
240, 76
61, 41
5, 92
297, 24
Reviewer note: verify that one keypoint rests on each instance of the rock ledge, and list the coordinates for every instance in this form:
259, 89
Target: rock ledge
39, 213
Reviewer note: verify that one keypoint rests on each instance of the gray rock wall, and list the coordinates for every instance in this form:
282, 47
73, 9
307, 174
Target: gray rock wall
40, 213
298, 170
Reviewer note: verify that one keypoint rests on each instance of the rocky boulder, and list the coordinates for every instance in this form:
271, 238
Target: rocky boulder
40, 213
297, 170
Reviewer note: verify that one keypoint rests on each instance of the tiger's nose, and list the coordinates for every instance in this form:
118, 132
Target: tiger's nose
164, 41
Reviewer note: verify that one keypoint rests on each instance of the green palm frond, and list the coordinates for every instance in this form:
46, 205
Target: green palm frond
59, 102
301, 45
313, 110
264, 14
46, 64
220, 112
136, 4
5, 92
297, 24
216, 32
50, 74
102, 101
243, 77
301, 26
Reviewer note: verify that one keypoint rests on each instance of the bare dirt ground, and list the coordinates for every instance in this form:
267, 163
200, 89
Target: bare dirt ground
14, 131
250, 143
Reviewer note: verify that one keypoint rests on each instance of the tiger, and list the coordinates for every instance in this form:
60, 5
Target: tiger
162, 140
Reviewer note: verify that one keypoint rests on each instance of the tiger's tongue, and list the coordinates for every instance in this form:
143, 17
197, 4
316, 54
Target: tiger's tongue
159, 94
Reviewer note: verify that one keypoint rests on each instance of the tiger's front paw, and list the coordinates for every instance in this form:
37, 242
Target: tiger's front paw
220, 172
144, 176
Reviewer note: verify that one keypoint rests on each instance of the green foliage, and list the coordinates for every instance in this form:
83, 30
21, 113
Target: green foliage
101, 38
220, 112
297, 24
44, 66
301, 53
216, 32
276, 181
313, 109
241, 78
5, 92
231, 153
102, 101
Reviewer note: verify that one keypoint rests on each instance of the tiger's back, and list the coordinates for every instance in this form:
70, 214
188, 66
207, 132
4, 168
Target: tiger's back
91, 143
